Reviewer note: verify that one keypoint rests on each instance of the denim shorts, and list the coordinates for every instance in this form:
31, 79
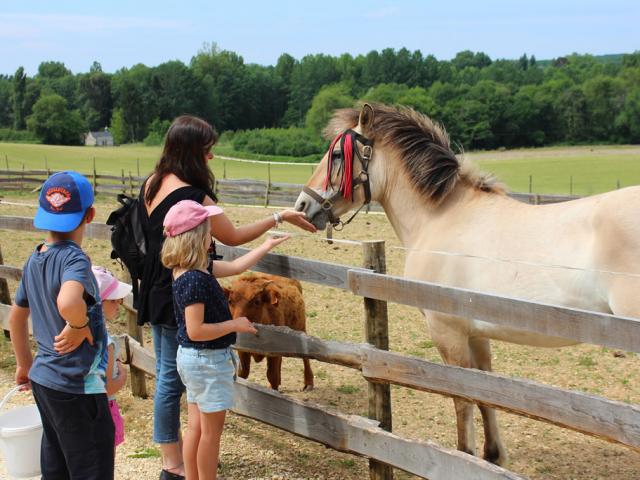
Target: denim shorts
208, 375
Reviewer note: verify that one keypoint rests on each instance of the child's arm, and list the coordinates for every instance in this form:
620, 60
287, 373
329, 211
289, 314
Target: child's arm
73, 309
19, 328
113, 385
239, 265
199, 331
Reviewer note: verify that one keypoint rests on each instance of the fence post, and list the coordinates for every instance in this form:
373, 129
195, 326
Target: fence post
4, 292
377, 334
571, 185
6, 161
124, 183
130, 183
138, 166
266, 193
95, 178
530, 183
224, 169
138, 380
22, 179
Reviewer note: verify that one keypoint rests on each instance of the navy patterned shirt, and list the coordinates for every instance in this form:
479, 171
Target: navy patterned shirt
196, 286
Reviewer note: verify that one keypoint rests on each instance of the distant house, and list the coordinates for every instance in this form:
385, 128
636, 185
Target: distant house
99, 139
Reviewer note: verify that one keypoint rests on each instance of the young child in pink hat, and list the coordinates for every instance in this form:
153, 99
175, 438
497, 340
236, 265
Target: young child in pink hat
206, 331
112, 293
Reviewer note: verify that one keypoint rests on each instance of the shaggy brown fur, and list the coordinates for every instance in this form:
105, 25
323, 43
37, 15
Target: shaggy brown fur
423, 146
269, 300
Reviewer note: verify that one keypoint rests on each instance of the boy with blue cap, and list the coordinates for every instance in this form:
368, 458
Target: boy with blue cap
67, 376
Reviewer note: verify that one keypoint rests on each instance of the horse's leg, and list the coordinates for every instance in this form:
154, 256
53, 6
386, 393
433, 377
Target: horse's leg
449, 334
494, 450
308, 375
245, 364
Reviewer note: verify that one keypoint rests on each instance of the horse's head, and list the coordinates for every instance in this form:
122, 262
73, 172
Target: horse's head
341, 180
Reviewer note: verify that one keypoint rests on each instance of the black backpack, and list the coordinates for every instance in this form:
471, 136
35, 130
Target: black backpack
128, 240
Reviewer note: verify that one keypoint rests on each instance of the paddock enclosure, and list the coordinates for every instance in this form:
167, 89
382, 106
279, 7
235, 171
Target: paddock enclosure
334, 294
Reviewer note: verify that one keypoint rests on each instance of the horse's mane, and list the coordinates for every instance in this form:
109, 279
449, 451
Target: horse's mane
422, 145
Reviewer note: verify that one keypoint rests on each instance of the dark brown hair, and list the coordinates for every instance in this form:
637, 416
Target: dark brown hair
188, 139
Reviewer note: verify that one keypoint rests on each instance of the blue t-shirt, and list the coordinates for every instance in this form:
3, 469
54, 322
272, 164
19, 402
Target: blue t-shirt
196, 286
83, 370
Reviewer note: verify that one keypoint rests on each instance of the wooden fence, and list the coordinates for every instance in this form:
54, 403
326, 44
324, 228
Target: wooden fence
597, 416
243, 192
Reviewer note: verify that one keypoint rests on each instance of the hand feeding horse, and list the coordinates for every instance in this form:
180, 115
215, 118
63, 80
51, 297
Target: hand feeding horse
437, 203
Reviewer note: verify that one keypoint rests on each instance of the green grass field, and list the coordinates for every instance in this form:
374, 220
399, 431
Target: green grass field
583, 170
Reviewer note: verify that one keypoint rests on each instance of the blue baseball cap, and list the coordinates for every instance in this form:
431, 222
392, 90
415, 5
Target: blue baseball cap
64, 199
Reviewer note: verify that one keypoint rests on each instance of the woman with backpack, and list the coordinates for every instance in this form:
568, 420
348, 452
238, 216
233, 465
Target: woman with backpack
182, 173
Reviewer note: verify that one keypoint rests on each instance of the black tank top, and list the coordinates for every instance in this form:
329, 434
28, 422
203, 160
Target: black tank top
156, 300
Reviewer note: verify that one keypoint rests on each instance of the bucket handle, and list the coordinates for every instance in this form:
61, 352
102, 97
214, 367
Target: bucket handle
11, 393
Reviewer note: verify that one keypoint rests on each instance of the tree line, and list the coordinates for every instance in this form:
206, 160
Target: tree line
483, 103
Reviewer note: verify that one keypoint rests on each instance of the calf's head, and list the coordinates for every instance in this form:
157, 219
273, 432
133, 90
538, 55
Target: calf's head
255, 299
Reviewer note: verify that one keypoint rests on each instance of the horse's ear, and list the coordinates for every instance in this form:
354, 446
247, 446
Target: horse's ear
366, 117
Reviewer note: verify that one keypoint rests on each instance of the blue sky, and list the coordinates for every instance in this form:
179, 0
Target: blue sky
120, 33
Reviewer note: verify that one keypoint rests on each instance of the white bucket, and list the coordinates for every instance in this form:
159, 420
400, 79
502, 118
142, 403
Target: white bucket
20, 438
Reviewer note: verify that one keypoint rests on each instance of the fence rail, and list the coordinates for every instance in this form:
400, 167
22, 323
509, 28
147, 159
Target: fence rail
241, 191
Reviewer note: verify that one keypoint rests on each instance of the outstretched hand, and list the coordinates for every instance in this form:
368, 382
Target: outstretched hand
274, 241
298, 219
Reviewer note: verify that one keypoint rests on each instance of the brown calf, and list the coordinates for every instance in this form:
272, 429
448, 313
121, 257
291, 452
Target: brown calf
269, 300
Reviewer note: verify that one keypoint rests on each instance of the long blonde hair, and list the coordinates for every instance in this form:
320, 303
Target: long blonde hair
187, 250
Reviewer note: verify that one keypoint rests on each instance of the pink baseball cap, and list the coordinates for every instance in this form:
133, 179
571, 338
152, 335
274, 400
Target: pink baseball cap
110, 287
187, 215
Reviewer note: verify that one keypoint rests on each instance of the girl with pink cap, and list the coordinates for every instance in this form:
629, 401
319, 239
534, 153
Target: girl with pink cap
112, 293
206, 331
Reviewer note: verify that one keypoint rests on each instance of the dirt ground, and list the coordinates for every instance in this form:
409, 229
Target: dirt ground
251, 450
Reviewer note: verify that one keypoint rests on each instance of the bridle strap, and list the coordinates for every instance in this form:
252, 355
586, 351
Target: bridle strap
325, 203
362, 179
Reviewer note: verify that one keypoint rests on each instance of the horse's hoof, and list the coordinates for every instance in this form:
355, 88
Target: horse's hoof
307, 388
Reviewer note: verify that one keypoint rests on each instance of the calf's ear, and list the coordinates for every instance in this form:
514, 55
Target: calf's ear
271, 295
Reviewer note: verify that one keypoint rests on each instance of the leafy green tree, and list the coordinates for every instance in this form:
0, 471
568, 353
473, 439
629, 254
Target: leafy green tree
54, 77
51, 70
604, 98
178, 90
19, 89
467, 58
52, 123
31, 95
327, 101
307, 78
628, 120
95, 98
631, 60
135, 95
468, 123
6, 88
385, 93
119, 128
223, 76
157, 130
419, 99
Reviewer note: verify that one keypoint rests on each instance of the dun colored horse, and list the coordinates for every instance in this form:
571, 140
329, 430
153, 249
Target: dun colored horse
439, 203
